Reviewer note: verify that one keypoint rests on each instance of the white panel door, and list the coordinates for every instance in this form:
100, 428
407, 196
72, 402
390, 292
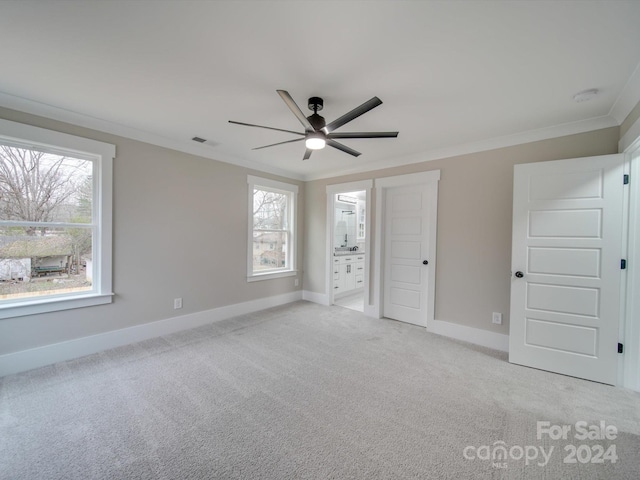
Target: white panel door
566, 253
406, 248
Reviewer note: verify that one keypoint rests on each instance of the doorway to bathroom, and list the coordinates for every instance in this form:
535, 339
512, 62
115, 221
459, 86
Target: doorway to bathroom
348, 218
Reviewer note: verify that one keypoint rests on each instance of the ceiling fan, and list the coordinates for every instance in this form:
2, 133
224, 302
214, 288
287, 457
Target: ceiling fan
317, 133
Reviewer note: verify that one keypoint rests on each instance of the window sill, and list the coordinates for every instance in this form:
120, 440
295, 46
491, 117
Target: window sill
268, 276
53, 304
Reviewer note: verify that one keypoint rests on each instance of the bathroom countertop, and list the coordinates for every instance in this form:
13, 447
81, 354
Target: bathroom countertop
342, 254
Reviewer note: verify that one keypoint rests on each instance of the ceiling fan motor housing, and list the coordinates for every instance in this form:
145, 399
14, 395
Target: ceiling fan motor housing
316, 121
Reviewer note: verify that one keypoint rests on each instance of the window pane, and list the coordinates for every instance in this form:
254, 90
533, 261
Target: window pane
44, 187
269, 210
269, 251
44, 261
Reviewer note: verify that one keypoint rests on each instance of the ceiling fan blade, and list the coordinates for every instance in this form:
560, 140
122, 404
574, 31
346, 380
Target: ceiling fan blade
363, 135
262, 126
355, 113
293, 106
307, 154
279, 143
342, 147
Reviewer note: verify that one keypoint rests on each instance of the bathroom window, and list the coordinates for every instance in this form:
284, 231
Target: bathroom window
361, 222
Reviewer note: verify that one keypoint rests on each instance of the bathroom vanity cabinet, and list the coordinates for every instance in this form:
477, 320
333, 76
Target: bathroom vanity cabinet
348, 273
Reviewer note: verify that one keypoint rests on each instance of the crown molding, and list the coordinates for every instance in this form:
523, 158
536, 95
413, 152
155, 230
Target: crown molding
480, 146
628, 98
86, 121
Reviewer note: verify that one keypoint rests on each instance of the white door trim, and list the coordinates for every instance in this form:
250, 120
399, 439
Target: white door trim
630, 331
381, 185
332, 190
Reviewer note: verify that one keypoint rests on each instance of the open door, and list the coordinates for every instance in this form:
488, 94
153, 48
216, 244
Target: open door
566, 261
348, 226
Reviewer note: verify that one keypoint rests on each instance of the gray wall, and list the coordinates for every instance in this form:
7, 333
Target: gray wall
179, 230
474, 223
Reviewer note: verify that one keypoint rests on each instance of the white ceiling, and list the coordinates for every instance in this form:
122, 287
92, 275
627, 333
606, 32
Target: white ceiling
453, 76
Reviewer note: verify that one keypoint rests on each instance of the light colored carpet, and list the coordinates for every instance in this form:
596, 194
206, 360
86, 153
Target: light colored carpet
303, 392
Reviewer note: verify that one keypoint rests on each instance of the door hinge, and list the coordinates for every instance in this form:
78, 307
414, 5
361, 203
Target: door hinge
623, 264
620, 348
625, 179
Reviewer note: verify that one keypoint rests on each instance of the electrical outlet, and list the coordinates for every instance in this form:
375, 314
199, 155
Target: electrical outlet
177, 303
497, 318
295, 282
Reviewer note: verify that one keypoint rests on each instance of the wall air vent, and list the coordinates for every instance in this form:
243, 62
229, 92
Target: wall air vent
199, 140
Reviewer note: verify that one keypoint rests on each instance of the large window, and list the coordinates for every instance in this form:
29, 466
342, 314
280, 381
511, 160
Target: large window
55, 220
271, 228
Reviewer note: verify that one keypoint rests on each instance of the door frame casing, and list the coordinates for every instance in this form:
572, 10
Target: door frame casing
332, 190
629, 366
429, 179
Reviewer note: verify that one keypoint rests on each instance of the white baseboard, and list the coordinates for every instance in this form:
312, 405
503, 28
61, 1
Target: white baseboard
497, 341
321, 298
38, 357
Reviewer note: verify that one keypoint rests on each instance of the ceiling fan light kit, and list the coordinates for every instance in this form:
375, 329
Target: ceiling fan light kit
317, 134
315, 141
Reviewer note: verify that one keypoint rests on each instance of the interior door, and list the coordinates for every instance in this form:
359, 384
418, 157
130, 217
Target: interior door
406, 254
566, 254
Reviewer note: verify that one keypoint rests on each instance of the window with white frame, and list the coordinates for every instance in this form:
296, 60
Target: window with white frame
271, 242
55, 220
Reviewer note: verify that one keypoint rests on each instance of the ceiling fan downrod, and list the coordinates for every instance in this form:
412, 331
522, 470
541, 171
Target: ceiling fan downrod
317, 121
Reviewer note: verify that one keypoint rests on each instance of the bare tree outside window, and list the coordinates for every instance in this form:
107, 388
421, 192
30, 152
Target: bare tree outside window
45, 222
270, 229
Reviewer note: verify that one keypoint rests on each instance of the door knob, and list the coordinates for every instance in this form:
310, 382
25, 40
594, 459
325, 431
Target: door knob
519, 274
425, 262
